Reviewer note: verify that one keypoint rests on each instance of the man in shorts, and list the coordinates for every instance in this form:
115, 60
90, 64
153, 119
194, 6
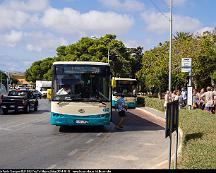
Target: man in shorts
121, 107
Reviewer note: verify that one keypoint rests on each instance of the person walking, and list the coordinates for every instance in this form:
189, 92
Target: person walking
121, 108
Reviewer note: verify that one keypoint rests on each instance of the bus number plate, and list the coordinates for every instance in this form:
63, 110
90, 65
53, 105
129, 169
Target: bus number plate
81, 122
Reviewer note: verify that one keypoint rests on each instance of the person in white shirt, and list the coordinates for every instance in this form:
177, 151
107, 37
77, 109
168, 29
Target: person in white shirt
64, 90
167, 99
209, 99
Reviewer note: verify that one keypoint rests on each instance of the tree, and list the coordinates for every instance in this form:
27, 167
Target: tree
124, 62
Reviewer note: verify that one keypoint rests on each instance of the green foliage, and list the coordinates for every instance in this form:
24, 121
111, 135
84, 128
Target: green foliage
40, 70
200, 48
199, 137
154, 103
124, 62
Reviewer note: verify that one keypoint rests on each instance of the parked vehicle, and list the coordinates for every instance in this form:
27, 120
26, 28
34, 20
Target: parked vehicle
3, 92
42, 86
37, 94
19, 100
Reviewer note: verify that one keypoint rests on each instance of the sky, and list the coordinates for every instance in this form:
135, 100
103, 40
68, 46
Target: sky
31, 30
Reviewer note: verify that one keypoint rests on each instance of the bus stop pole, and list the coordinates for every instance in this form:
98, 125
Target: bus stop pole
177, 136
176, 150
170, 150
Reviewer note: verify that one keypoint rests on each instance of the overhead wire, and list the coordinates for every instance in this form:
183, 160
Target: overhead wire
158, 9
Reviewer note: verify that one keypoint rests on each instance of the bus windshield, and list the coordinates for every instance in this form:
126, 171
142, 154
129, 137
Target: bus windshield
128, 88
81, 83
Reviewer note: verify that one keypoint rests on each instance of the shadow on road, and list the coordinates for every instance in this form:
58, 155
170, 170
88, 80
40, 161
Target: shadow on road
133, 123
136, 123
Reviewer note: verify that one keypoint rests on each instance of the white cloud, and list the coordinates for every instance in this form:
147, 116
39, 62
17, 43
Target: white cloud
12, 19
69, 20
130, 5
26, 5
13, 37
132, 43
16, 14
38, 41
204, 29
158, 23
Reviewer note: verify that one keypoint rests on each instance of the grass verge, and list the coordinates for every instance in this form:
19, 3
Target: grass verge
199, 137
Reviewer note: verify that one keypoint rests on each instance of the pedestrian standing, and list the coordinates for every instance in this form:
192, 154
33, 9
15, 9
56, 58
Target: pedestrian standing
121, 107
201, 99
209, 97
167, 98
184, 96
195, 99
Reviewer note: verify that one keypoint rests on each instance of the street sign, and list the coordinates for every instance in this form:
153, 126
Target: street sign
187, 70
186, 62
172, 114
186, 65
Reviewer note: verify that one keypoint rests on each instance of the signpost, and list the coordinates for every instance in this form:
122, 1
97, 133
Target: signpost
172, 119
186, 66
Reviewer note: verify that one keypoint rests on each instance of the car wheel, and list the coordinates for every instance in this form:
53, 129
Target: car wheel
27, 109
5, 111
35, 108
16, 110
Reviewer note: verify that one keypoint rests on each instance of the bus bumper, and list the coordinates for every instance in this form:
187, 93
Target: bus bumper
113, 103
131, 105
72, 120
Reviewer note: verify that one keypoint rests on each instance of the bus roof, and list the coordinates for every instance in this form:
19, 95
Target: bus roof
128, 79
80, 62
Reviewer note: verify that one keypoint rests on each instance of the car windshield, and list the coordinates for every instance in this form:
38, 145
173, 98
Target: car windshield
83, 84
17, 93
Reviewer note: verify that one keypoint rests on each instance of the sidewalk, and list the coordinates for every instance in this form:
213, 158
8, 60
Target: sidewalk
159, 118
152, 115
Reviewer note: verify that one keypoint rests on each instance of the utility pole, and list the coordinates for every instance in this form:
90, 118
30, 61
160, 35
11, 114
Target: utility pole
108, 56
170, 48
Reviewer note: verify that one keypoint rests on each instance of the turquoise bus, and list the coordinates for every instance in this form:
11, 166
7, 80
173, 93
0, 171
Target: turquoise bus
87, 97
126, 86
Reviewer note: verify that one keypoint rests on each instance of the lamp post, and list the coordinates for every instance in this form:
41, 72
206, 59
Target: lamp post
170, 48
108, 54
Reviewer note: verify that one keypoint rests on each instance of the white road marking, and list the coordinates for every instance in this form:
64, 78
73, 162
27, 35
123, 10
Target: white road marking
52, 166
89, 141
149, 144
99, 134
73, 152
5, 129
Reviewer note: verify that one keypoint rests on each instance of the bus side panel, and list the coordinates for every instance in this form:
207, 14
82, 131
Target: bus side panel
131, 102
80, 113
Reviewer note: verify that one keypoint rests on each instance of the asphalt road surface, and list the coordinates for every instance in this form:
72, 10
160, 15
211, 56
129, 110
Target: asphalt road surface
28, 141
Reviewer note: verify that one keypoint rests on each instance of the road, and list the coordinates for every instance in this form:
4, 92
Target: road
29, 141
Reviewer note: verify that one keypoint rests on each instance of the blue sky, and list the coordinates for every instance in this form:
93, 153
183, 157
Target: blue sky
31, 30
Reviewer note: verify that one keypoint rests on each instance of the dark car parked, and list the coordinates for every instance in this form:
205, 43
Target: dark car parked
19, 100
